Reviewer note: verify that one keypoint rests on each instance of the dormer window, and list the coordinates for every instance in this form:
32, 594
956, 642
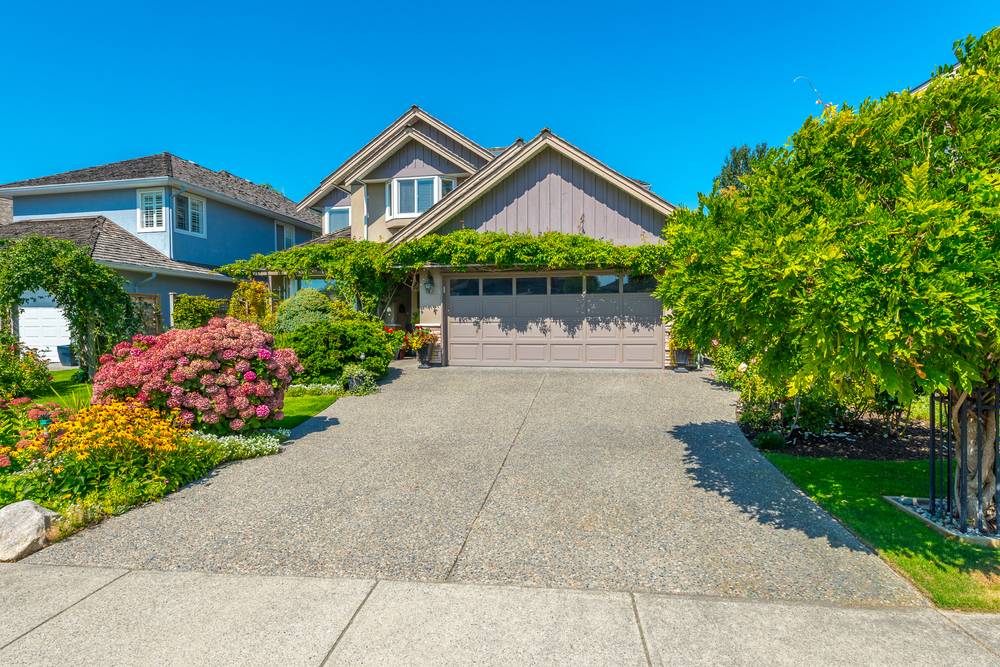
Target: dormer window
337, 217
189, 214
412, 196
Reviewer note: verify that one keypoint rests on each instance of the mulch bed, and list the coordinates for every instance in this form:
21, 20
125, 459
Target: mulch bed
864, 439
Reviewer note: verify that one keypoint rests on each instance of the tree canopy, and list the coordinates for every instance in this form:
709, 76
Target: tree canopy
92, 297
866, 248
738, 163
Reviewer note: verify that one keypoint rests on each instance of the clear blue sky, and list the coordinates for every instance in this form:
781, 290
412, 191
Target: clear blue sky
282, 92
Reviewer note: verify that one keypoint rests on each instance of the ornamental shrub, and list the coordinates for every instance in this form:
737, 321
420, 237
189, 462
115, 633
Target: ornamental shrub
226, 376
22, 370
253, 302
305, 307
195, 310
325, 347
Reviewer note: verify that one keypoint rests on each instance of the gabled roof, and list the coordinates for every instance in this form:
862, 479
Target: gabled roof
108, 244
167, 165
409, 134
412, 115
508, 162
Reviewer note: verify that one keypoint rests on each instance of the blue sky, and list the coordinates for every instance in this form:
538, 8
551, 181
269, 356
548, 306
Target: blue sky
282, 92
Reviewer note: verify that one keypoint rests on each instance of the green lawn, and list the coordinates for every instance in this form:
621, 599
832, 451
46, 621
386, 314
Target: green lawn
953, 574
75, 395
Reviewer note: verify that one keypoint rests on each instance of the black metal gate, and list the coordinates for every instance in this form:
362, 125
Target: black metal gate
952, 458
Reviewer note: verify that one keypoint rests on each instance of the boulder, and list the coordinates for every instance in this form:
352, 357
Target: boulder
24, 529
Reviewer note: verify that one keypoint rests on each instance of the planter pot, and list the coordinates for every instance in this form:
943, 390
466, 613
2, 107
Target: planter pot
424, 355
682, 358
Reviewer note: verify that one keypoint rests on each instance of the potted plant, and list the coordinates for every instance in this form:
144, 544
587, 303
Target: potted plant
422, 342
682, 355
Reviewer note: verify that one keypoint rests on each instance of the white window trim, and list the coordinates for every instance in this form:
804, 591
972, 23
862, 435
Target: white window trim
392, 203
327, 227
204, 215
285, 227
138, 210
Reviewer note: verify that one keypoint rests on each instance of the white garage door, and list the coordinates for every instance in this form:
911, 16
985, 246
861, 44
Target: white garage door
600, 320
41, 325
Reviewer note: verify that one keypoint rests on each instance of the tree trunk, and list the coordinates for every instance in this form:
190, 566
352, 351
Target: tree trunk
974, 480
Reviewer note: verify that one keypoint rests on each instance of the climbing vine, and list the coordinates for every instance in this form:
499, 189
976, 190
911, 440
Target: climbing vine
368, 272
92, 297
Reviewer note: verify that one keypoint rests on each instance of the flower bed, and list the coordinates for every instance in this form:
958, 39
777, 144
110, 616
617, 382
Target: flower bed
223, 377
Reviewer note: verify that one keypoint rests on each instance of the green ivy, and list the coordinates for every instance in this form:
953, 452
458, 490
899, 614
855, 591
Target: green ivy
366, 272
92, 297
195, 310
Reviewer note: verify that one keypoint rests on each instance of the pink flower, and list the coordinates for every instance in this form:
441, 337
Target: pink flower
236, 424
34, 414
279, 415
263, 411
249, 376
20, 401
264, 353
186, 418
4, 460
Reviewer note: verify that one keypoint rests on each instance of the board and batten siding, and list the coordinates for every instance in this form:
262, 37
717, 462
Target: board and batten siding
458, 149
552, 193
414, 159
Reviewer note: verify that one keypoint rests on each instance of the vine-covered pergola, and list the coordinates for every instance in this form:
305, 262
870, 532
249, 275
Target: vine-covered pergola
92, 297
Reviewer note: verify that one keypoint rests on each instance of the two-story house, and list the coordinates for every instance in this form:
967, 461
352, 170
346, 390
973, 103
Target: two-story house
419, 176
161, 221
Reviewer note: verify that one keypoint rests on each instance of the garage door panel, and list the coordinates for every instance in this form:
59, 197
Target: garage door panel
465, 306
463, 352
602, 353
498, 352
463, 328
531, 307
640, 353
564, 352
531, 353
565, 329
595, 329
564, 306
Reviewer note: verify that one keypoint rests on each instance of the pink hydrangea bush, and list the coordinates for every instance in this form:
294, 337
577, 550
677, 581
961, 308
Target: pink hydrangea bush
225, 376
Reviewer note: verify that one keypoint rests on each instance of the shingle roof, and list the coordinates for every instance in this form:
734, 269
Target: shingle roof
343, 233
167, 164
104, 240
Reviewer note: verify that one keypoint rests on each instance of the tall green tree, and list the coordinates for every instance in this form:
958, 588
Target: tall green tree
737, 164
866, 251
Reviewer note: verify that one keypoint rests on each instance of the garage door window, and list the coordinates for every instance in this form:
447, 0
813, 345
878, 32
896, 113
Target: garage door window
464, 287
633, 284
498, 286
568, 285
532, 286
602, 284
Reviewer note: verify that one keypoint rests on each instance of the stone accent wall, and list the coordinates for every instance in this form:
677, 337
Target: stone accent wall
6, 211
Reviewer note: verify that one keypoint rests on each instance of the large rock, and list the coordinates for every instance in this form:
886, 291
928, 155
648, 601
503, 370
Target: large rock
24, 529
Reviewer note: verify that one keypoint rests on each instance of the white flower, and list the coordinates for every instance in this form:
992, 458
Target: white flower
743, 367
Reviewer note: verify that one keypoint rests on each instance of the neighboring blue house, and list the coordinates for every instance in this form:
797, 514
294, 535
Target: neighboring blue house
181, 220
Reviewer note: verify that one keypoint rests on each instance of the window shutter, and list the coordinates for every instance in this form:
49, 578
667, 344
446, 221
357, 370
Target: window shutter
152, 210
197, 207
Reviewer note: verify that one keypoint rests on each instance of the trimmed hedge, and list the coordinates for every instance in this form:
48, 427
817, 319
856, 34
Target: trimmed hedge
326, 346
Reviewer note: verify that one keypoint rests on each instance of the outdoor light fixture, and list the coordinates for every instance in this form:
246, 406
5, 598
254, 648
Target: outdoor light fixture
429, 283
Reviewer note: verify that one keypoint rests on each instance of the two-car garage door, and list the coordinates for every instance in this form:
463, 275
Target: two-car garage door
599, 320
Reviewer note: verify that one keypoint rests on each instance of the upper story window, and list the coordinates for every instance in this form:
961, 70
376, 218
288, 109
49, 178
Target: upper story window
151, 210
337, 217
284, 236
412, 196
189, 214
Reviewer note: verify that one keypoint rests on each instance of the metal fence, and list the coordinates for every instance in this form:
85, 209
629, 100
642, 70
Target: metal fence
964, 453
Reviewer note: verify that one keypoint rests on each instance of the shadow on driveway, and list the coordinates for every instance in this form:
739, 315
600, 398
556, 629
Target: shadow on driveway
718, 459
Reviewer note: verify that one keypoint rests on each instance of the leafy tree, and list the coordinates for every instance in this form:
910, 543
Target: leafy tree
866, 251
253, 302
737, 164
92, 297
305, 307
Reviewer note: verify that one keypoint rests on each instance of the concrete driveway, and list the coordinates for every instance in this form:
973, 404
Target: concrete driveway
632, 481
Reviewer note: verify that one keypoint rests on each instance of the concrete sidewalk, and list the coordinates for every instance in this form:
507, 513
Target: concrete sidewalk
83, 615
